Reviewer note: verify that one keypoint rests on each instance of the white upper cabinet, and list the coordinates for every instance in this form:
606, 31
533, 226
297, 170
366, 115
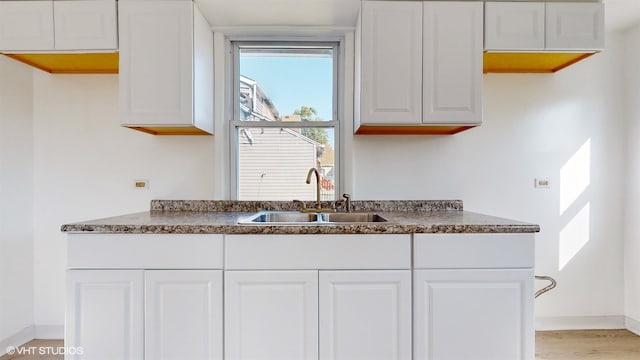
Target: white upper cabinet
514, 26
391, 62
85, 25
540, 26
419, 67
452, 63
166, 51
578, 26
26, 25
78, 25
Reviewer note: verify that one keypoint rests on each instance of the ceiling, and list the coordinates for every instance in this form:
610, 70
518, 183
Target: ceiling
619, 14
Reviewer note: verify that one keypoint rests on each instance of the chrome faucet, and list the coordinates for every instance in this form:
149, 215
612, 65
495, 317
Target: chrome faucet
308, 181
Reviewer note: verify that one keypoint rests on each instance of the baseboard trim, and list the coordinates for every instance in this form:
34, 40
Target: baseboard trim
632, 325
49, 332
20, 338
580, 322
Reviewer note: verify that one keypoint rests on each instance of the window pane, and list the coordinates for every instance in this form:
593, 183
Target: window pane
286, 83
273, 163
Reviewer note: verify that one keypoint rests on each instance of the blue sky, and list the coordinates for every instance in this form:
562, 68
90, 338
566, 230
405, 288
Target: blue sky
291, 82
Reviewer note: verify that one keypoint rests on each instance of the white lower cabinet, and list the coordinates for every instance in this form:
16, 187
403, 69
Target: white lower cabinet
104, 314
271, 315
163, 314
365, 315
183, 314
473, 314
473, 297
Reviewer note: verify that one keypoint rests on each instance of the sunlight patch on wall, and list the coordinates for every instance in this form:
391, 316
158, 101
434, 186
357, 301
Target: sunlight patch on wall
575, 176
574, 236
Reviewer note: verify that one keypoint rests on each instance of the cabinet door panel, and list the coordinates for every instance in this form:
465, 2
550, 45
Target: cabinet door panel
81, 25
575, 26
156, 52
26, 25
104, 314
183, 314
454, 308
452, 56
365, 315
271, 315
514, 26
391, 62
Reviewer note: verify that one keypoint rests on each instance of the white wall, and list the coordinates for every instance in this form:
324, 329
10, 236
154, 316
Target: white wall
632, 203
85, 164
533, 125
16, 203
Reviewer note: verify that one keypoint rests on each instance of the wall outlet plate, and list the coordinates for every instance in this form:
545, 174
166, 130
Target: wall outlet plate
542, 183
141, 184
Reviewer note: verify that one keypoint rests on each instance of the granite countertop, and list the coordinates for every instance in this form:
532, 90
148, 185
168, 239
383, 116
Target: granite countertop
221, 217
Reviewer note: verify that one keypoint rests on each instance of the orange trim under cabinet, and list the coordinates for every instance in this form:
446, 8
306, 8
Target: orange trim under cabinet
94, 63
158, 130
547, 62
411, 130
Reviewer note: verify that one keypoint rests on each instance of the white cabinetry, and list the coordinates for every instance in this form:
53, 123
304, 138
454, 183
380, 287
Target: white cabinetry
104, 314
85, 24
452, 63
78, 25
271, 313
391, 62
575, 26
476, 290
419, 66
365, 315
183, 314
120, 305
514, 26
540, 26
166, 67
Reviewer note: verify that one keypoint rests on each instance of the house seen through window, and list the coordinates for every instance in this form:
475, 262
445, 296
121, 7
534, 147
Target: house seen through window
285, 120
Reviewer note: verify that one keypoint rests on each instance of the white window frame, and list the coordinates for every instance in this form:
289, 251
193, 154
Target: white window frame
234, 106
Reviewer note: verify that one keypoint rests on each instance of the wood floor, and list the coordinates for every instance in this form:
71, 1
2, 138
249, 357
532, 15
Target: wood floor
550, 345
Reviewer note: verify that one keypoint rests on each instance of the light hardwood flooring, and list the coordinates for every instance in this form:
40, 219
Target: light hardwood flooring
550, 345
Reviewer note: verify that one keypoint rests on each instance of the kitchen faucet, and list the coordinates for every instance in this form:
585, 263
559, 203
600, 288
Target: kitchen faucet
308, 181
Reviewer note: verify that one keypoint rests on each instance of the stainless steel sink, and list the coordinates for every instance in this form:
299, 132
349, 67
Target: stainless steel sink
282, 217
299, 218
352, 217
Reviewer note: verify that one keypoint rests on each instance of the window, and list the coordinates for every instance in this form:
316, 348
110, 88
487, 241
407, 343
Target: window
285, 119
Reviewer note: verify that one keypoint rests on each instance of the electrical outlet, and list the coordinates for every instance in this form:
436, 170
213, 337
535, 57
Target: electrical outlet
542, 183
141, 184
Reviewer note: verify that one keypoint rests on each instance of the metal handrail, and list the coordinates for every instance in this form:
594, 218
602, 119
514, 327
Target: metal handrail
548, 287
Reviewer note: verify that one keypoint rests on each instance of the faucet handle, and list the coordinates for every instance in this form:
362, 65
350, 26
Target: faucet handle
347, 202
303, 206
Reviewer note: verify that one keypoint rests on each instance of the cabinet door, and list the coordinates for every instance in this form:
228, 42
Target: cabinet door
575, 26
156, 62
183, 314
271, 315
26, 25
391, 56
514, 26
104, 314
365, 315
473, 314
85, 24
452, 55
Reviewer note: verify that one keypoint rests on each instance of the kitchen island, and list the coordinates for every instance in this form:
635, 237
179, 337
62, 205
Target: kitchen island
187, 280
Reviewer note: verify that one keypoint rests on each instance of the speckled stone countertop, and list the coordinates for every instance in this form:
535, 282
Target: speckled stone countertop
221, 217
